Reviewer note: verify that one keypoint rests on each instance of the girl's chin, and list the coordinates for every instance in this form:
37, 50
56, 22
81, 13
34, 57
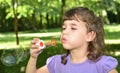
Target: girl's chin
66, 47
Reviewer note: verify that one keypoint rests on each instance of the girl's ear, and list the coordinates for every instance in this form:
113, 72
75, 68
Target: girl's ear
90, 36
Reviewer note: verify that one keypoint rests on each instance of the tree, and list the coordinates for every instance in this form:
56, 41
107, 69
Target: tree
14, 5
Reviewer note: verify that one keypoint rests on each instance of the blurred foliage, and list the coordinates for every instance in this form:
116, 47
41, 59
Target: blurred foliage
42, 14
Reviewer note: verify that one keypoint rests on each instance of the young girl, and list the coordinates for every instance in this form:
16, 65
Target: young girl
83, 37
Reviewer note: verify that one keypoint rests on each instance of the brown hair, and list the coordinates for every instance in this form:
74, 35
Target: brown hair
93, 23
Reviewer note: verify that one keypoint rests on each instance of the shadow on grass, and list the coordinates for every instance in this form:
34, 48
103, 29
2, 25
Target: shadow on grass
112, 35
20, 68
113, 48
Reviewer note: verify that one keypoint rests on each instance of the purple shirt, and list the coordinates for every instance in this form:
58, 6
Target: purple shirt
104, 65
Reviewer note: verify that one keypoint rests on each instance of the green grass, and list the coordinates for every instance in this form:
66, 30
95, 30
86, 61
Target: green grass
112, 34
7, 41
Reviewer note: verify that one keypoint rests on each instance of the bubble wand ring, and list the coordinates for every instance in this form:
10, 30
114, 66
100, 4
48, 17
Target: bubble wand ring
41, 44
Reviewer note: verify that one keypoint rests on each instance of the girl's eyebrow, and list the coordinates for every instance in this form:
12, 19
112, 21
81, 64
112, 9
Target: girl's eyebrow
73, 24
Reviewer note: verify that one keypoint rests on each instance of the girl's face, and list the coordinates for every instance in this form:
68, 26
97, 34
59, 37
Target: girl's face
74, 34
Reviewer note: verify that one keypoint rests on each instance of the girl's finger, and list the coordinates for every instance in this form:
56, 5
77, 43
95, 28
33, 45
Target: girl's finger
34, 46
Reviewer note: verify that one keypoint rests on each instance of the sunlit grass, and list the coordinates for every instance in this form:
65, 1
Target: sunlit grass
112, 41
112, 28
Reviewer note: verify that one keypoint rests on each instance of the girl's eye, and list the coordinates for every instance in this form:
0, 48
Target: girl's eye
74, 28
63, 28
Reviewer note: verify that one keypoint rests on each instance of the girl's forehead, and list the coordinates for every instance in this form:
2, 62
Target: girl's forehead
73, 22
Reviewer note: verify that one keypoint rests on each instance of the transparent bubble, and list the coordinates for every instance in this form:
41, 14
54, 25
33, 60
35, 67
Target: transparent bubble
11, 57
22, 55
8, 60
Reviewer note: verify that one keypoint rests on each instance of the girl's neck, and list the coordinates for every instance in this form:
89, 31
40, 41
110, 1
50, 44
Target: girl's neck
78, 56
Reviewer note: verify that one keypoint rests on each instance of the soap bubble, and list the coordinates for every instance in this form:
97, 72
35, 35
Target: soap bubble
11, 57
9, 60
22, 55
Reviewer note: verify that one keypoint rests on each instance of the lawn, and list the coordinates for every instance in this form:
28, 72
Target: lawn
7, 41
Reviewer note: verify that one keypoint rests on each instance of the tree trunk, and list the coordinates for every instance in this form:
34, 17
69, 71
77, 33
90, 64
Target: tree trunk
47, 20
62, 9
118, 16
63, 6
15, 21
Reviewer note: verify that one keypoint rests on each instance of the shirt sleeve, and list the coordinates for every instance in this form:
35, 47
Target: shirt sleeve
51, 64
109, 63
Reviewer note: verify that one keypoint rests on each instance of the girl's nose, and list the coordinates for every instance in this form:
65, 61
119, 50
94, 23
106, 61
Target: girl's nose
66, 31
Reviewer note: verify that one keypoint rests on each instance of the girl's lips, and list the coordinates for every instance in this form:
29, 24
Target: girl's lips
63, 40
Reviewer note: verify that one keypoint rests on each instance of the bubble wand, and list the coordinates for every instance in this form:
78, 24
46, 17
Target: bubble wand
42, 44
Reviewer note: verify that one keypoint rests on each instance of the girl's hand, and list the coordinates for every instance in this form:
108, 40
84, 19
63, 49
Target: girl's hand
35, 49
